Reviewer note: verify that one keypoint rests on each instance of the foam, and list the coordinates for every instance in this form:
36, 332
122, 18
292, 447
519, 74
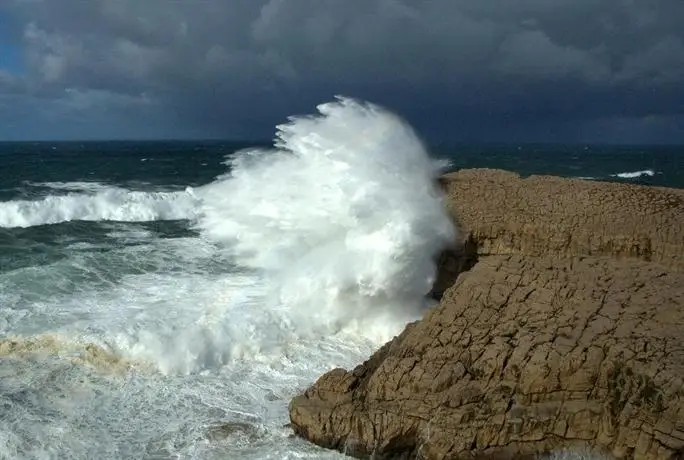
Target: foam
342, 217
78, 186
310, 255
105, 204
634, 174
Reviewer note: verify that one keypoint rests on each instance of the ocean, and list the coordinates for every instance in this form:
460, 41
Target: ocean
167, 299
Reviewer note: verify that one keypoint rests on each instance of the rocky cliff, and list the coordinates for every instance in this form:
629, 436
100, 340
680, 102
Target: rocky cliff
567, 329
546, 215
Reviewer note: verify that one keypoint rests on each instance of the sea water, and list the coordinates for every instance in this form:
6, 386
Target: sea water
167, 299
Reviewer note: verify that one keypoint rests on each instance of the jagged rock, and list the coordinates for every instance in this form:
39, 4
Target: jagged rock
545, 343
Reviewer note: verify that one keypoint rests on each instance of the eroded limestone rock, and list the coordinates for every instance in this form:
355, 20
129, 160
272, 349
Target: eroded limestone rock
521, 355
546, 215
567, 332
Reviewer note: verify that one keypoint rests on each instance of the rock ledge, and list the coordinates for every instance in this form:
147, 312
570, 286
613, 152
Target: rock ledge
567, 332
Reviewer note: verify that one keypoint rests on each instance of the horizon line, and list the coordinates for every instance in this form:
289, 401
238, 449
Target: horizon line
270, 142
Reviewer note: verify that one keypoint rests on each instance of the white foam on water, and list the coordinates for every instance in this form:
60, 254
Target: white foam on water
342, 217
105, 203
77, 186
634, 174
311, 255
336, 229
199, 385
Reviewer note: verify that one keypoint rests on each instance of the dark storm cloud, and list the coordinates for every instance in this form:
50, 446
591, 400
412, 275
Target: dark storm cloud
455, 67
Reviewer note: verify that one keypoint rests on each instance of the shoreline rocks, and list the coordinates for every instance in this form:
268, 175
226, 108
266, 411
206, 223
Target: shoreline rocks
503, 213
565, 330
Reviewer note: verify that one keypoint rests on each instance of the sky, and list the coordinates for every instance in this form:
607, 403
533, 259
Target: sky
582, 71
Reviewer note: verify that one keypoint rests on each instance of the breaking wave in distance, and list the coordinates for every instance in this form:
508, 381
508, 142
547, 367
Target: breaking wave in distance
342, 218
634, 174
106, 203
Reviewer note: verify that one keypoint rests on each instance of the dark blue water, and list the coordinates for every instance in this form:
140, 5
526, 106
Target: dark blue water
134, 165
648, 165
175, 165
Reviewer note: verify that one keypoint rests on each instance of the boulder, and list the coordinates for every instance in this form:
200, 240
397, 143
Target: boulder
565, 331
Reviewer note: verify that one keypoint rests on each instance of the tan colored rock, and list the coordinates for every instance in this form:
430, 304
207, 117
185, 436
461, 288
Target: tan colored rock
546, 343
546, 215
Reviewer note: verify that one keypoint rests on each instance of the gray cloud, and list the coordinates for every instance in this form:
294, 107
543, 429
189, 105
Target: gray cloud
455, 67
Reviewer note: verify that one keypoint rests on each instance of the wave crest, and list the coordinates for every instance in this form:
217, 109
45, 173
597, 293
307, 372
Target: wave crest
108, 203
342, 216
634, 174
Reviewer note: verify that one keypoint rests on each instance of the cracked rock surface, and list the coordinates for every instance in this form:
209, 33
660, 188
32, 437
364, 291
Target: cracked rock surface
569, 338
547, 215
